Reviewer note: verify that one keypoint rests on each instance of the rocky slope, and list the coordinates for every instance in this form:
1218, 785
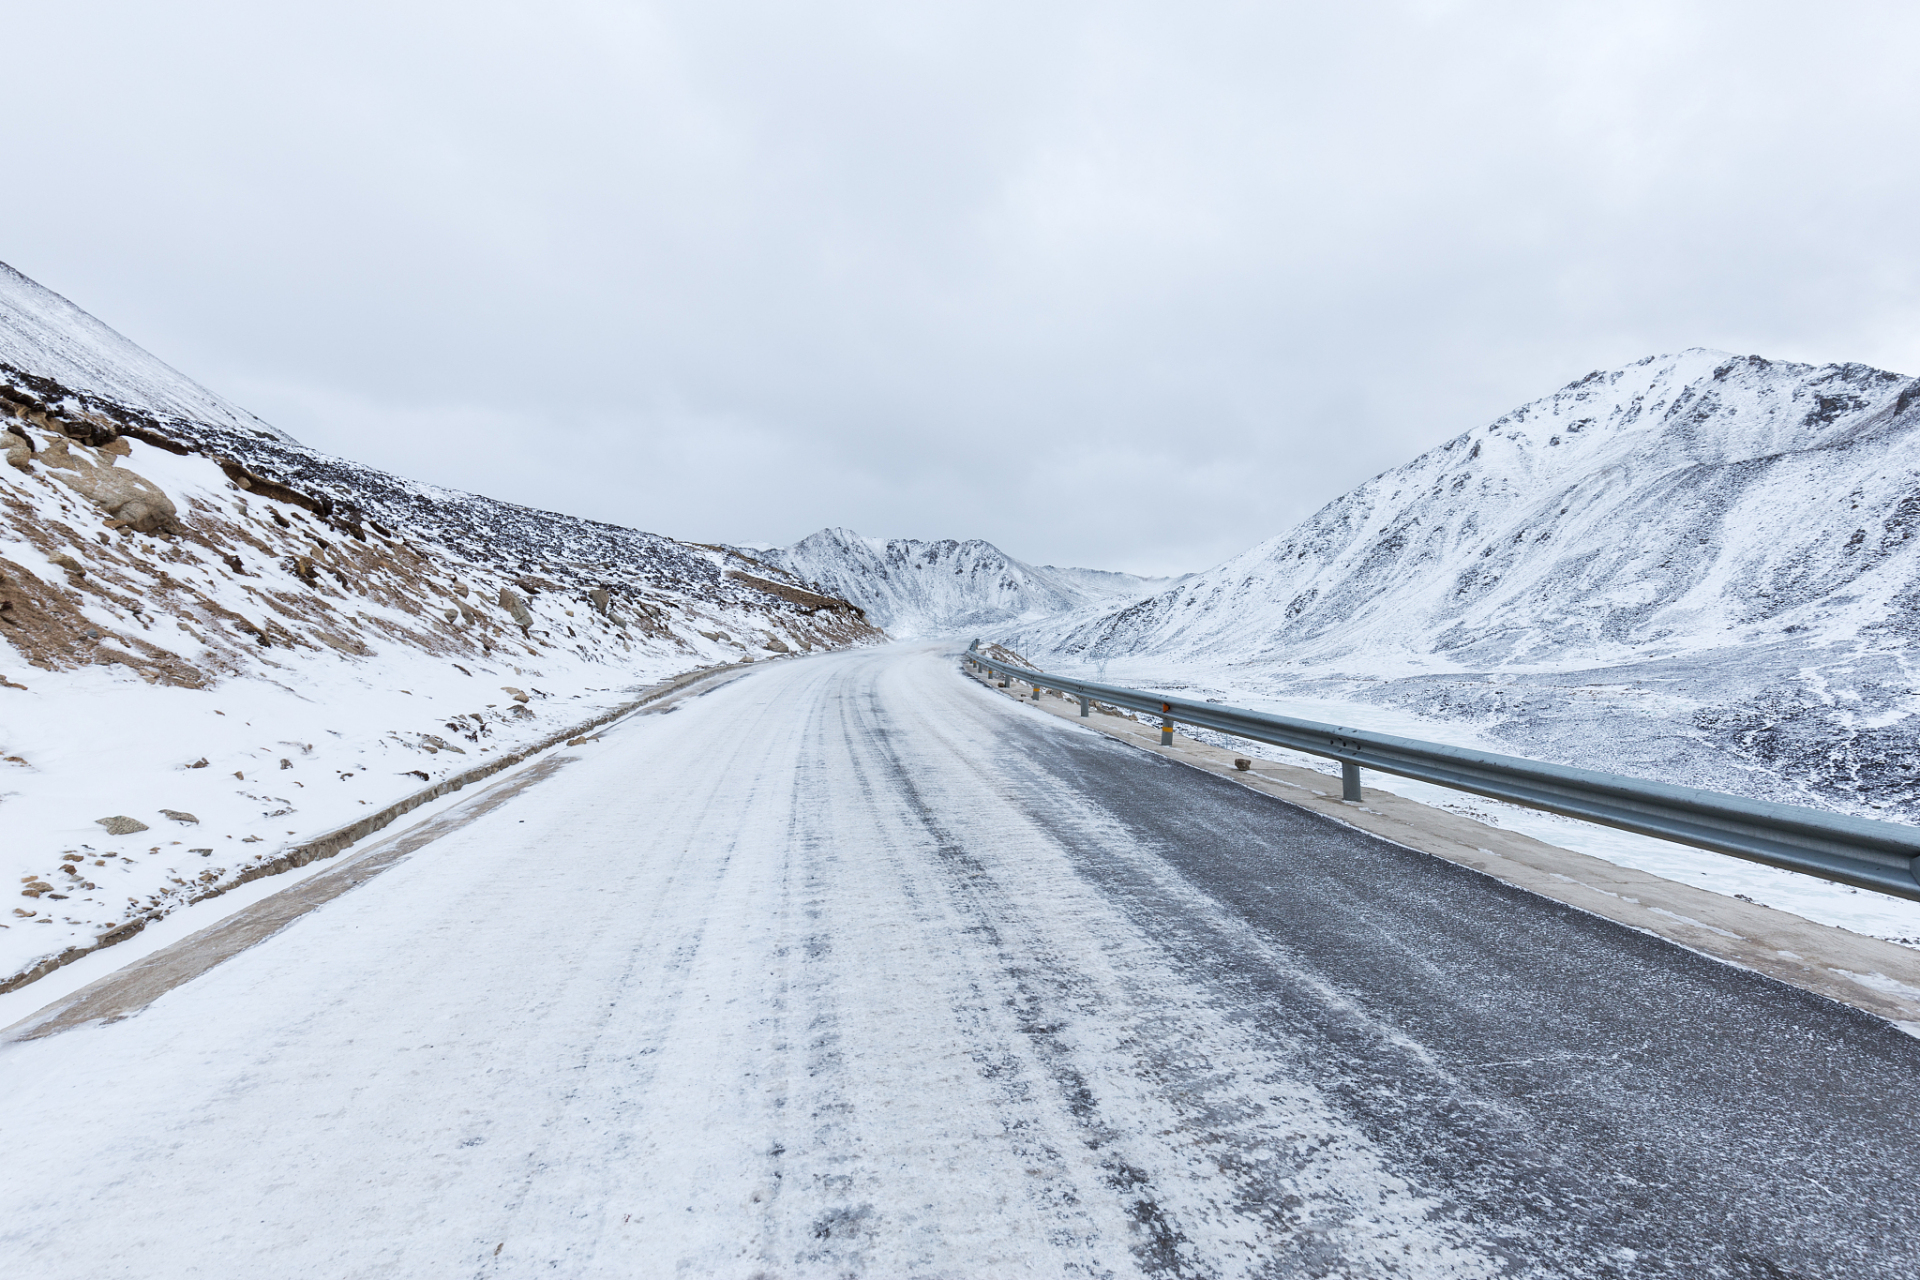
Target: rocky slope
915, 588
201, 616
1700, 567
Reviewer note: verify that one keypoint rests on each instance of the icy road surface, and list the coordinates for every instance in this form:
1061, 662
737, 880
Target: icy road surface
857, 968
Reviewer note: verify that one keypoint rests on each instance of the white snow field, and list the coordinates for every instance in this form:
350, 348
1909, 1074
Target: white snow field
853, 967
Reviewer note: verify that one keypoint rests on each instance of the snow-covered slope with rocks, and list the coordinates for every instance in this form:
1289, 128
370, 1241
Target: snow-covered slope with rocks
42, 335
200, 616
915, 588
1700, 567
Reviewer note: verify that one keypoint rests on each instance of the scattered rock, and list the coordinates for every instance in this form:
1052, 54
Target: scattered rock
68, 563
121, 825
18, 448
515, 606
255, 483
775, 644
580, 742
602, 598
250, 840
516, 694
462, 670
178, 815
285, 763
202, 852
1242, 764
417, 773
201, 763
240, 775
34, 888
459, 588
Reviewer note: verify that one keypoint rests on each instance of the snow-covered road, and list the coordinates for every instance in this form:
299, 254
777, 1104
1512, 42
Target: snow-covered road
855, 967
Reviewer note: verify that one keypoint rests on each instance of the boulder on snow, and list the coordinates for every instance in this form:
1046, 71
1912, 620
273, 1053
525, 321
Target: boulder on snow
178, 815
776, 645
121, 825
515, 606
18, 448
131, 499
516, 694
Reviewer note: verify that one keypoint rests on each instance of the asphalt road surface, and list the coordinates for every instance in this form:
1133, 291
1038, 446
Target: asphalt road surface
854, 967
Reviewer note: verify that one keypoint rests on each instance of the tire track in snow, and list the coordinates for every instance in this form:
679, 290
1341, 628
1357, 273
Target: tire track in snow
844, 970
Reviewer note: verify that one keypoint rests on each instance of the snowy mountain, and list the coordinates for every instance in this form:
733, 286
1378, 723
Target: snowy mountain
913, 588
1722, 546
45, 337
180, 582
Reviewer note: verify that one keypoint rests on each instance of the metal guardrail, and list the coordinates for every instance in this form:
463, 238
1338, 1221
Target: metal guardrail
1882, 856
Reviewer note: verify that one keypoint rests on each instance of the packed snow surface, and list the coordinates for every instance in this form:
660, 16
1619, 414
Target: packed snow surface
913, 588
1700, 568
851, 968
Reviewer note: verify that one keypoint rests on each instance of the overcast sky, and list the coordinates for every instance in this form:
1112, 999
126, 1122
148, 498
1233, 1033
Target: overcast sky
1124, 285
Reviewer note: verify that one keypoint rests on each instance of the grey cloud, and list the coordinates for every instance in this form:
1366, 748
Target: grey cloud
1126, 285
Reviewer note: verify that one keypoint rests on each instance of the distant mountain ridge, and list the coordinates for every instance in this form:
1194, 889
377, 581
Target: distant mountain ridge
1684, 500
915, 588
1733, 534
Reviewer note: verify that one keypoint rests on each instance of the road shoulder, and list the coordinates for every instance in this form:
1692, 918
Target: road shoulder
128, 990
1881, 978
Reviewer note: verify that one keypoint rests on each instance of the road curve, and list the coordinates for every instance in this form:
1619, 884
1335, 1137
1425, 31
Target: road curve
856, 968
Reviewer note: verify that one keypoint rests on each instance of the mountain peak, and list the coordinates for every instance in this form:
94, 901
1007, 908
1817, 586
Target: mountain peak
46, 340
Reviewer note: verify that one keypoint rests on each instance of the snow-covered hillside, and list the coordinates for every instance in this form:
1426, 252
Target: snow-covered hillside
43, 336
199, 616
913, 588
1700, 567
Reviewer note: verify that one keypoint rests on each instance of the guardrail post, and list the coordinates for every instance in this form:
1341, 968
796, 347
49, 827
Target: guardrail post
1036, 693
1166, 725
1086, 705
1349, 780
